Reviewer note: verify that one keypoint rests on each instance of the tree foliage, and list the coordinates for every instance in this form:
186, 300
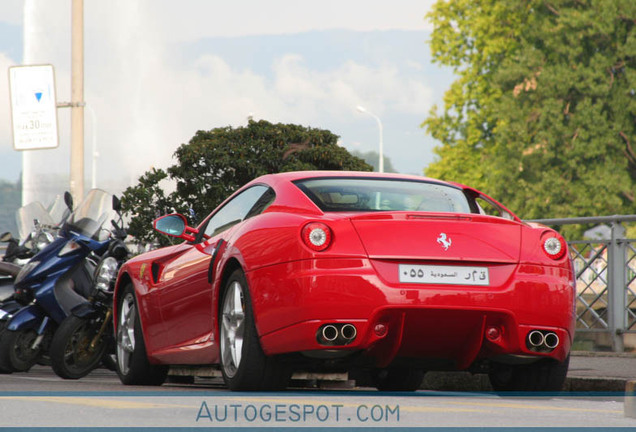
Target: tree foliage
215, 163
543, 113
373, 159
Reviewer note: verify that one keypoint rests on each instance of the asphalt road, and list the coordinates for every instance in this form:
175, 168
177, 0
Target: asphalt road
39, 398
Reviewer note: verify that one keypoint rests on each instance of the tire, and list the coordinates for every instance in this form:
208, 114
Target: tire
133, 366
70, 352
244, 365
398, 379
545, 375
16, 354
5, 364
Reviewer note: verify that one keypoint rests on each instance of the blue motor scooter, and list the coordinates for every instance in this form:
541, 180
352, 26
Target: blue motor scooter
54, 281
37, 227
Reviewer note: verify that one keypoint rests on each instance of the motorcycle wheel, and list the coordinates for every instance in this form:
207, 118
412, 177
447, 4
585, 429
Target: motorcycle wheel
5, 367
71, 354
133, 366
16, 352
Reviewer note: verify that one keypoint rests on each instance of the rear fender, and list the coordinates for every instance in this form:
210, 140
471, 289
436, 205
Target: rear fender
84, 310
8, 309
29, 317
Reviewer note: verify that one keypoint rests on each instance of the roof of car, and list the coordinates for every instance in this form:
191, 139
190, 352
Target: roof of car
287, 177
299, 175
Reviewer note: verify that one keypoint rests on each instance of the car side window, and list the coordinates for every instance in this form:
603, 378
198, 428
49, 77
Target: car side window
240, 208
263, 202
488, 208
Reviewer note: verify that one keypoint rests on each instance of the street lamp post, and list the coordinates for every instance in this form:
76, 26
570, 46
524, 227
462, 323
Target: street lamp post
381, 149
77, 100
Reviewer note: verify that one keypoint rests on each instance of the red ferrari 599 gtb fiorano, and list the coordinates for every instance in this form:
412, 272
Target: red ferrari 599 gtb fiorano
383, 276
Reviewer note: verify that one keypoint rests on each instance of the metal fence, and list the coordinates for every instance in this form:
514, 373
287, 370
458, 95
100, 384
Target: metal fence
605, 279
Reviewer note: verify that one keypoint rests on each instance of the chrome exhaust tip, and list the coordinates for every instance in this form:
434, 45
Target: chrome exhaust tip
329, 333
348, 332
536, 338
551, 340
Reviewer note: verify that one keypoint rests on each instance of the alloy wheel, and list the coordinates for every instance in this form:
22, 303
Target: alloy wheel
232, 328
126, 333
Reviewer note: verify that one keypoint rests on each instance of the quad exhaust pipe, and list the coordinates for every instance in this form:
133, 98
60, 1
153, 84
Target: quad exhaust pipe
536, 338
348, 332
336, 334
329, 333
542, 340
551, 340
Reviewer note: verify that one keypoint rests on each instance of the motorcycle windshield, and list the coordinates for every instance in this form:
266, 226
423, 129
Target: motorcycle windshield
91, 214
27, 215
58, 210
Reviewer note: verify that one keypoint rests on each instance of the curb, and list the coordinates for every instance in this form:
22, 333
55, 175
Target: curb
593, 384
467, 382
603, 354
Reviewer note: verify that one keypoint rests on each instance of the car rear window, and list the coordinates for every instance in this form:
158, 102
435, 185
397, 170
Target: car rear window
372, 194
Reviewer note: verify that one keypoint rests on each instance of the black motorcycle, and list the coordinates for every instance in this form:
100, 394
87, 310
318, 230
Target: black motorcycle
85, 337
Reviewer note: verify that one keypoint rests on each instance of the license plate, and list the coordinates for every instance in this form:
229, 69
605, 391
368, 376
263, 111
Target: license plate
449, 275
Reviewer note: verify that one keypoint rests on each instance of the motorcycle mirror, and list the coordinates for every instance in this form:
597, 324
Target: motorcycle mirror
116, 204
68, 200
5, 237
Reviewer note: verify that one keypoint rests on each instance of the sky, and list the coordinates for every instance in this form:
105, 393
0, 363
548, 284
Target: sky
156, 71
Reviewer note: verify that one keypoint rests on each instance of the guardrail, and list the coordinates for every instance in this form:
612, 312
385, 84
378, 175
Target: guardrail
605, 279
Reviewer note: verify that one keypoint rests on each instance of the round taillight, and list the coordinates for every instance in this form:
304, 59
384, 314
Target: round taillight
317, 236
554, 247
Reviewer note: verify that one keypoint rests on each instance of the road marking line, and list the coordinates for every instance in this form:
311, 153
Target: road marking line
316, 402
534, 407
101, 403
448, 406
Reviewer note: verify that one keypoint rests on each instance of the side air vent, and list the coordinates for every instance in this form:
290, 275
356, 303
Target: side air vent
156, 270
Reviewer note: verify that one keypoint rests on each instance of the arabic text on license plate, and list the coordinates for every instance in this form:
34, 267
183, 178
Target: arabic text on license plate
453, 275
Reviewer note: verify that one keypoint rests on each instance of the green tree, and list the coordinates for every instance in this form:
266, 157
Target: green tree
543, 115
473, 38
215, 163
373, 159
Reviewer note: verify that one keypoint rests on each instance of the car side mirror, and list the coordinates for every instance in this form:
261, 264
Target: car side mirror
174, 225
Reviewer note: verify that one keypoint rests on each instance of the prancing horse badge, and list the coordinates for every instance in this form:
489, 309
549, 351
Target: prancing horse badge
445, 241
